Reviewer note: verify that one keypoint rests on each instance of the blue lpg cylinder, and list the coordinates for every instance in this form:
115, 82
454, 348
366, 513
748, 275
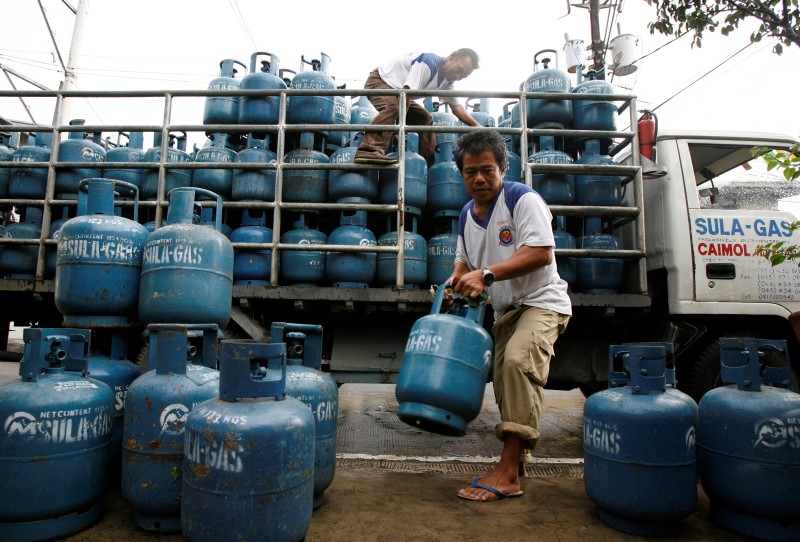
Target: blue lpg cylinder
261, 109
504, 121
6, 152
132, 153
344, 183
445, 369
555, 188
594, 188
514, 169
78, 149
594, 114
446, 189
351, 269
306, 382
336, 139
416, 178
249, 454
208, 218
99, 262
19, 261
442, 251
639, 446
219, 181
303, 267
254, 184
361, 112
305, 185
567, 265
309, 109
187, 269
479, 112
748, 441
415, 259
223, 109
545, 113
55, 441
252, 266
184, 358
30, 183
108, 363
54, 233
173, 178
441, 117
598, 275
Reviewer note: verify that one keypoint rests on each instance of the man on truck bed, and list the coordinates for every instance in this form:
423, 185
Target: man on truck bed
418, 71
505, 244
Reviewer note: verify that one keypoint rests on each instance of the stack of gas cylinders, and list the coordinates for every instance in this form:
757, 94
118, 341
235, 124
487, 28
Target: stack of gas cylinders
244, 177
84, 407
586, 187
646, 443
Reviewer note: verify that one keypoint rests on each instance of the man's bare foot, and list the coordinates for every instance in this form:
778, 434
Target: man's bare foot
494, 486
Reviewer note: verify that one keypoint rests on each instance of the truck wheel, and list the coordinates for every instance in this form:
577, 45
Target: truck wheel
705, 372
589, 389
143, 359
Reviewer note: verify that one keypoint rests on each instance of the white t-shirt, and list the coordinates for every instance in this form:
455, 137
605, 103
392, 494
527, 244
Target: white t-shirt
519, 216
420, 71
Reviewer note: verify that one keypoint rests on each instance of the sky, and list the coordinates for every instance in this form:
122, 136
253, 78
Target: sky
178, 44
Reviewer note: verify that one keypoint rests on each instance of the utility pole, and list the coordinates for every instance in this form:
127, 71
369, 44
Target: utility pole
70, 78
598, 46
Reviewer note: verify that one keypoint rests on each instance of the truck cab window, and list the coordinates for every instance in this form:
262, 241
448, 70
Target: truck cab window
730, 178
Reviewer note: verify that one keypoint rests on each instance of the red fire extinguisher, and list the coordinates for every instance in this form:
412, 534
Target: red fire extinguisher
648, 127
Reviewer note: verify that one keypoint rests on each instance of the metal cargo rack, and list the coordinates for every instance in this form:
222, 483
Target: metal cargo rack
628, 218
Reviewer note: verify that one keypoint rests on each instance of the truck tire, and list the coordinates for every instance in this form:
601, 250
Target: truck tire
704, 375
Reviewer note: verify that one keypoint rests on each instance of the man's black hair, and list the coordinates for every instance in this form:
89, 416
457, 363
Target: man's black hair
475, 143
466, 52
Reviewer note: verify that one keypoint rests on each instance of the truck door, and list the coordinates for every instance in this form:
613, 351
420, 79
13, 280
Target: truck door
736, 205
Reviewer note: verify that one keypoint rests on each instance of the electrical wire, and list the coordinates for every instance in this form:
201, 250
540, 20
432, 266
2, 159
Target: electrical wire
92, 107
69, 7
235, 7
52, 35
706, 74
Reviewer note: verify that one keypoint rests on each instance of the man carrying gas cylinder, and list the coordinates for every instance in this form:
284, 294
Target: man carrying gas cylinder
505, 245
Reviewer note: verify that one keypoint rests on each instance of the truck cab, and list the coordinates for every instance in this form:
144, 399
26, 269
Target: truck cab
709, 205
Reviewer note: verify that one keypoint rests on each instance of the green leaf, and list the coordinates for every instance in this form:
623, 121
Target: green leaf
777, 259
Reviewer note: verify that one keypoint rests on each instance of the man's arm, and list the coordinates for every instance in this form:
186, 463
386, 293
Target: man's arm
463, 115
525, 260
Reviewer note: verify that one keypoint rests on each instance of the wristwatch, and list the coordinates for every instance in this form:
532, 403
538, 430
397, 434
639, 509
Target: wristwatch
488, 277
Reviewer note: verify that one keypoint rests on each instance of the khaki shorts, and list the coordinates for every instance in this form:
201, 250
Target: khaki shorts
524, 340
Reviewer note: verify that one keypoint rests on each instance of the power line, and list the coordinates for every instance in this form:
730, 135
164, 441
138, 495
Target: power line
52, 35
92, 108
243, 24
703, 76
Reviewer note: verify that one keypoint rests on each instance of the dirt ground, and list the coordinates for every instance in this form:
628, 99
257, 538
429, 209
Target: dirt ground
394, 483
407, 506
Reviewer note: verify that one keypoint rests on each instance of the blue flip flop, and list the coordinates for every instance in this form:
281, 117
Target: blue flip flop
499, 494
